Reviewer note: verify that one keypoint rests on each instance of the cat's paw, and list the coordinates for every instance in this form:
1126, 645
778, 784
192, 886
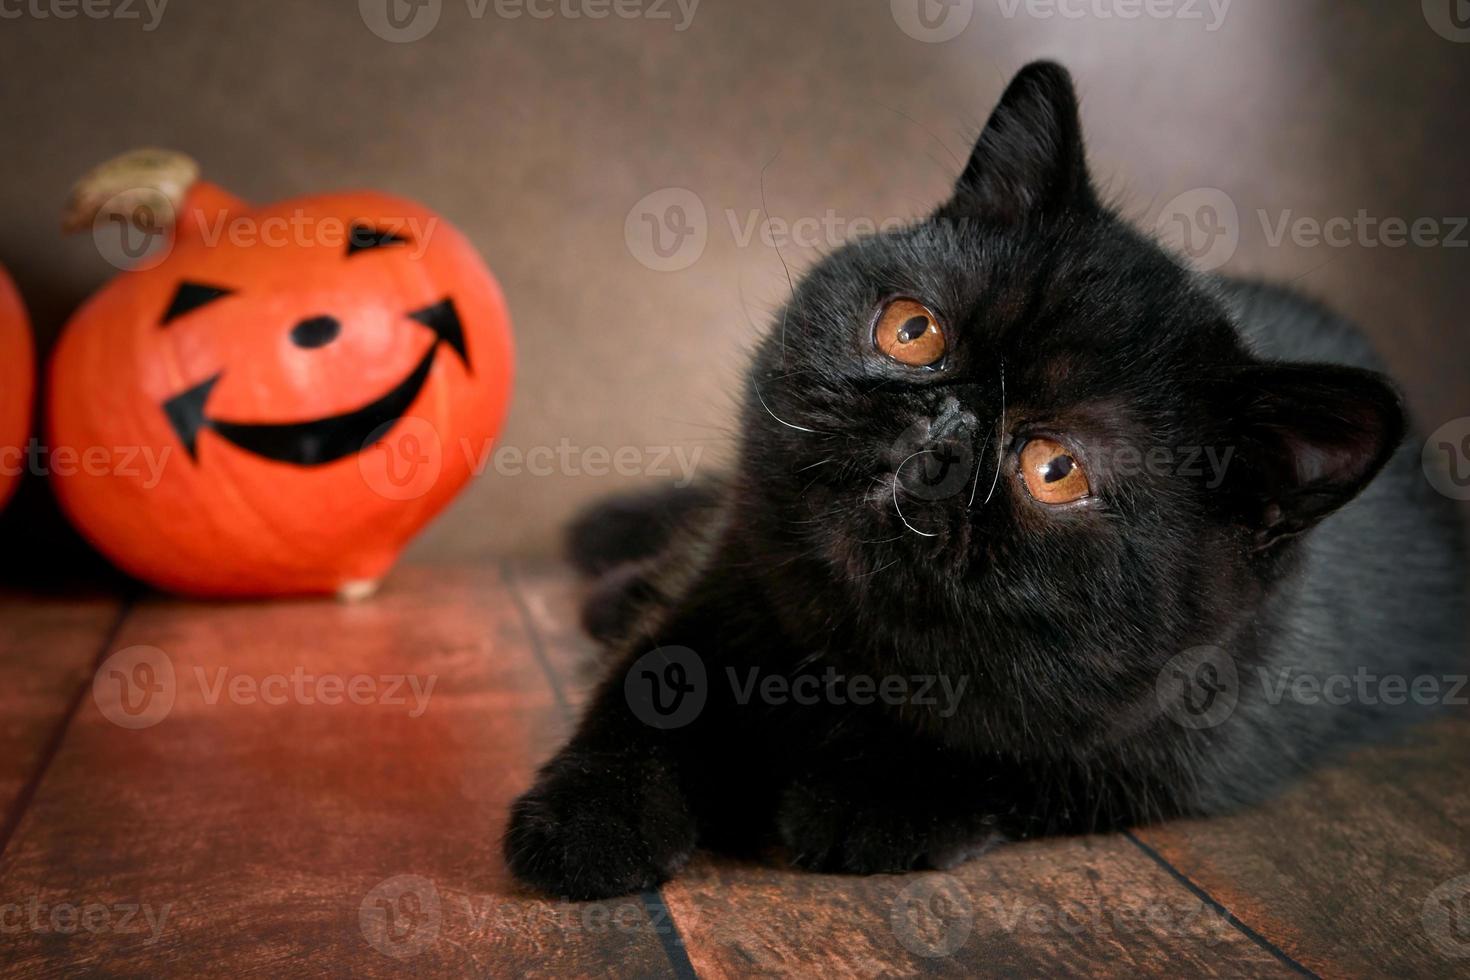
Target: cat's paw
593, 829
826, 831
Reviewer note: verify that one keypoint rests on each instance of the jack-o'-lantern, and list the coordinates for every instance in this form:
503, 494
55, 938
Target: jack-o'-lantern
277, 398
17, 386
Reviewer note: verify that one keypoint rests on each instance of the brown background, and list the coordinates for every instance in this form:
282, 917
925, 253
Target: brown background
537, 136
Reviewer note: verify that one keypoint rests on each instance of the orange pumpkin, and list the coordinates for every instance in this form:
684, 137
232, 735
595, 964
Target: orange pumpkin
284, 396
17, 386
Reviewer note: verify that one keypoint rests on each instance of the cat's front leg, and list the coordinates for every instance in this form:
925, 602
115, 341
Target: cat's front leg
861, 812
607, 815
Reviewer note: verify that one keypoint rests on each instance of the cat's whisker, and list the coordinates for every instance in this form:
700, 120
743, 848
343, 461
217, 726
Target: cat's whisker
874, 572
896, 507
820, 462
810, 659
879, 540
975, 490
813, 483
798, 428
790, 285
1000, 444
790, 374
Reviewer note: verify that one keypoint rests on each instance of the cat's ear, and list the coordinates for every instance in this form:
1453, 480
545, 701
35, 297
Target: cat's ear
1030, 158
1308, 438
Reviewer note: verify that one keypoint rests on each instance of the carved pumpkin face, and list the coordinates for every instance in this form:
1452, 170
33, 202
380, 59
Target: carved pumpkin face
305, 384
17, 386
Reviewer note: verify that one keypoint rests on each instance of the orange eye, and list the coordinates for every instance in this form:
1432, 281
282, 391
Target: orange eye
1052, 474
909, 332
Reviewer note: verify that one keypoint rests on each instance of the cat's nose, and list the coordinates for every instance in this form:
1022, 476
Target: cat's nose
934, 457
952, 421
950, 431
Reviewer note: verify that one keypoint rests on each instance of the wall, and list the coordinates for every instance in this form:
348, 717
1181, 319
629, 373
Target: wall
539, 135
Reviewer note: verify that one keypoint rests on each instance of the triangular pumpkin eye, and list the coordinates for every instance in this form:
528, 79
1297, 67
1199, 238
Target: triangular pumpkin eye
190, 296
363, 238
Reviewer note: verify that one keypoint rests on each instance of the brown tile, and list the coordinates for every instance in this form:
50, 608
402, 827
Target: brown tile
290, 837
47, 649
263, 837
1081, 907
1362, 870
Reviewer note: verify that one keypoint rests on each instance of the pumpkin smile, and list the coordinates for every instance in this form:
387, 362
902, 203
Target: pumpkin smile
325, 440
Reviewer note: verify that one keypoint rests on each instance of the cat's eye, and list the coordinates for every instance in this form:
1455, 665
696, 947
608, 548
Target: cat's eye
1051, 473
909, 332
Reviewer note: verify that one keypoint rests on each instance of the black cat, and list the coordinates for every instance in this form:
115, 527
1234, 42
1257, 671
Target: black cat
1032, 531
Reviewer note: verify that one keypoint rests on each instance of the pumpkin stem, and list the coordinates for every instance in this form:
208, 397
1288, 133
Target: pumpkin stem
145, 188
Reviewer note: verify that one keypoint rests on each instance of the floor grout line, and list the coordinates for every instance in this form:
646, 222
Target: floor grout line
23, 799
660, 916
671, 938
533, 636
1230, 917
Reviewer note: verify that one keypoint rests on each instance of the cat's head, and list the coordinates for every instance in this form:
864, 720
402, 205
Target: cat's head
1026, 413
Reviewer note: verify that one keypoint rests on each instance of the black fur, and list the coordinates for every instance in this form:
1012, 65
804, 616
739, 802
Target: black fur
1318, 547
632, 527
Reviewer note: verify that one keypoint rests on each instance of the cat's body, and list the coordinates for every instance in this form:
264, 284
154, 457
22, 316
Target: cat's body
1028, 666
